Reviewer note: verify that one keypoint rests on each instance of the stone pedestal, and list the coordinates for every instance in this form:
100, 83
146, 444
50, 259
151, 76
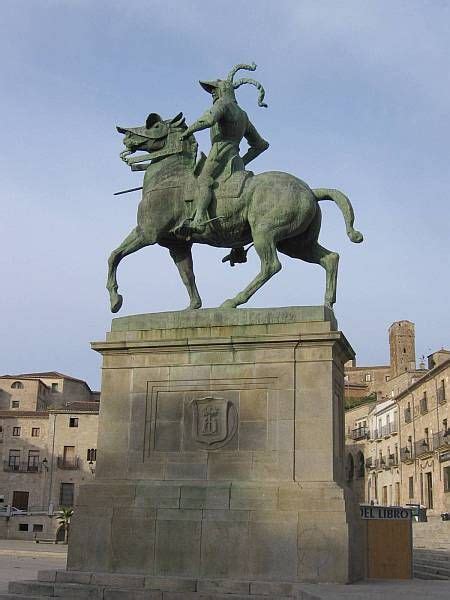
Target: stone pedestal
220, 453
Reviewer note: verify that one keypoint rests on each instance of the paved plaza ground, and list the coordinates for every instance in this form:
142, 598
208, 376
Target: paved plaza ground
21, 560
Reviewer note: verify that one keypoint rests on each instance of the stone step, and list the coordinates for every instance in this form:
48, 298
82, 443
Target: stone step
419, 574
433, 562
432, 555
432, 569
8, 596
80, 591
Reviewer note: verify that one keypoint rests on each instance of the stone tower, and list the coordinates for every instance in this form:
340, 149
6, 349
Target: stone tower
402, 347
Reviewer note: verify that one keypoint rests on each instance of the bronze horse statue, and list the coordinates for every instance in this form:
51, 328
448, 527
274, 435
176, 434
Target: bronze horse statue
276, 211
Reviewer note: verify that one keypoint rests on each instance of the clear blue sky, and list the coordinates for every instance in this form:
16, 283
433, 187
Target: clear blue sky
358, 95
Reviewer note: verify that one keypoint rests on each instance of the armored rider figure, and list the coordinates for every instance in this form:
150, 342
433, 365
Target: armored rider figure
229, 124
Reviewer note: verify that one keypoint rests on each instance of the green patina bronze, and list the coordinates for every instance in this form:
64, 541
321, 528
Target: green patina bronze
215, 201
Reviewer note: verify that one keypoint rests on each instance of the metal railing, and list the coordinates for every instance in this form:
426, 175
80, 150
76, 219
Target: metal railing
423, 446
380, 463
359, 433
21, 467
407, 454
68, 463
392, 460
441, 438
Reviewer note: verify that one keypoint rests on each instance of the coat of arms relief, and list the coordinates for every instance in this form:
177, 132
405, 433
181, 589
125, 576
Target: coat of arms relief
214, 421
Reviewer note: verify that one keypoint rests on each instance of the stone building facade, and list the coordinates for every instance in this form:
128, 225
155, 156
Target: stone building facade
48, 440
382, 455
404, 435
425, 440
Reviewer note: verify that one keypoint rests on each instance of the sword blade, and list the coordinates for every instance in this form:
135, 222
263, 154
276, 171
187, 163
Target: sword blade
127, 191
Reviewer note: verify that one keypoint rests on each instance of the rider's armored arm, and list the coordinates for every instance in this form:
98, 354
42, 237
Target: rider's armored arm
256, 142
207, 120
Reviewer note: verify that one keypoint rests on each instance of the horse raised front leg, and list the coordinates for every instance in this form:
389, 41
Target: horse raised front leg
133, 242
270, 264
182, 257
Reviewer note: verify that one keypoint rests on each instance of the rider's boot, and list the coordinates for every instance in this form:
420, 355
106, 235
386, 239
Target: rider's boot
199, 222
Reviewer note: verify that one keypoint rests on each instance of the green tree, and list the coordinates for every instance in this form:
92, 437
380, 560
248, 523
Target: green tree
64, 516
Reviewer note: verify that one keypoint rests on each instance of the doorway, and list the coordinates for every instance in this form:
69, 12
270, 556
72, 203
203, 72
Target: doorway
429, 480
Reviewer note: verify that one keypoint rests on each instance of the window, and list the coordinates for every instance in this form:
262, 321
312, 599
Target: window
385, 493
35, 431
14, 460
20, 500
424, 403
73, 422
408, 413
16, 431
17, 385
23, 526
15, 404
38, 527
446, 479
367, 377
54, 388
33, 461
66, 494
91, 455
397, 494
387, 377
410, 487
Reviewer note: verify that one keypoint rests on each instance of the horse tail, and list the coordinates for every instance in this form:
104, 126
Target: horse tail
346, 209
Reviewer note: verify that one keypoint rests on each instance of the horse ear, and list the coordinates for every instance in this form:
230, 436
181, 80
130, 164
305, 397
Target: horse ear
152, 119
175, 120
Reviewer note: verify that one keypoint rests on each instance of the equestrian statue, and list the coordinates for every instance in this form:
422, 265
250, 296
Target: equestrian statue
214, 200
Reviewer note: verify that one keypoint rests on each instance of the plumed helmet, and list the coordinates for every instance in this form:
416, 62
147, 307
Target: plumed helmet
226, 87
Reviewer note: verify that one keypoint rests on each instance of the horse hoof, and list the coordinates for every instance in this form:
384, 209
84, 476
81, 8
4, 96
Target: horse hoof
117, 304
228, 304
194, 306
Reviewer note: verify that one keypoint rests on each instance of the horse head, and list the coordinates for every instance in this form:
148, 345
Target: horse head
157, 137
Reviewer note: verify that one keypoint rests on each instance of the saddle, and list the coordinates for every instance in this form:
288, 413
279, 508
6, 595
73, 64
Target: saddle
229, 183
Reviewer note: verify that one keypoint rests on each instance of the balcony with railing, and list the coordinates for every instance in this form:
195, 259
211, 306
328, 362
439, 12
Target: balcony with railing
441, 395
376, 434
423, 446
392, 461
380, 463
360, 433
72, 463
441, 439
369, 463
407, 454
22, 467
